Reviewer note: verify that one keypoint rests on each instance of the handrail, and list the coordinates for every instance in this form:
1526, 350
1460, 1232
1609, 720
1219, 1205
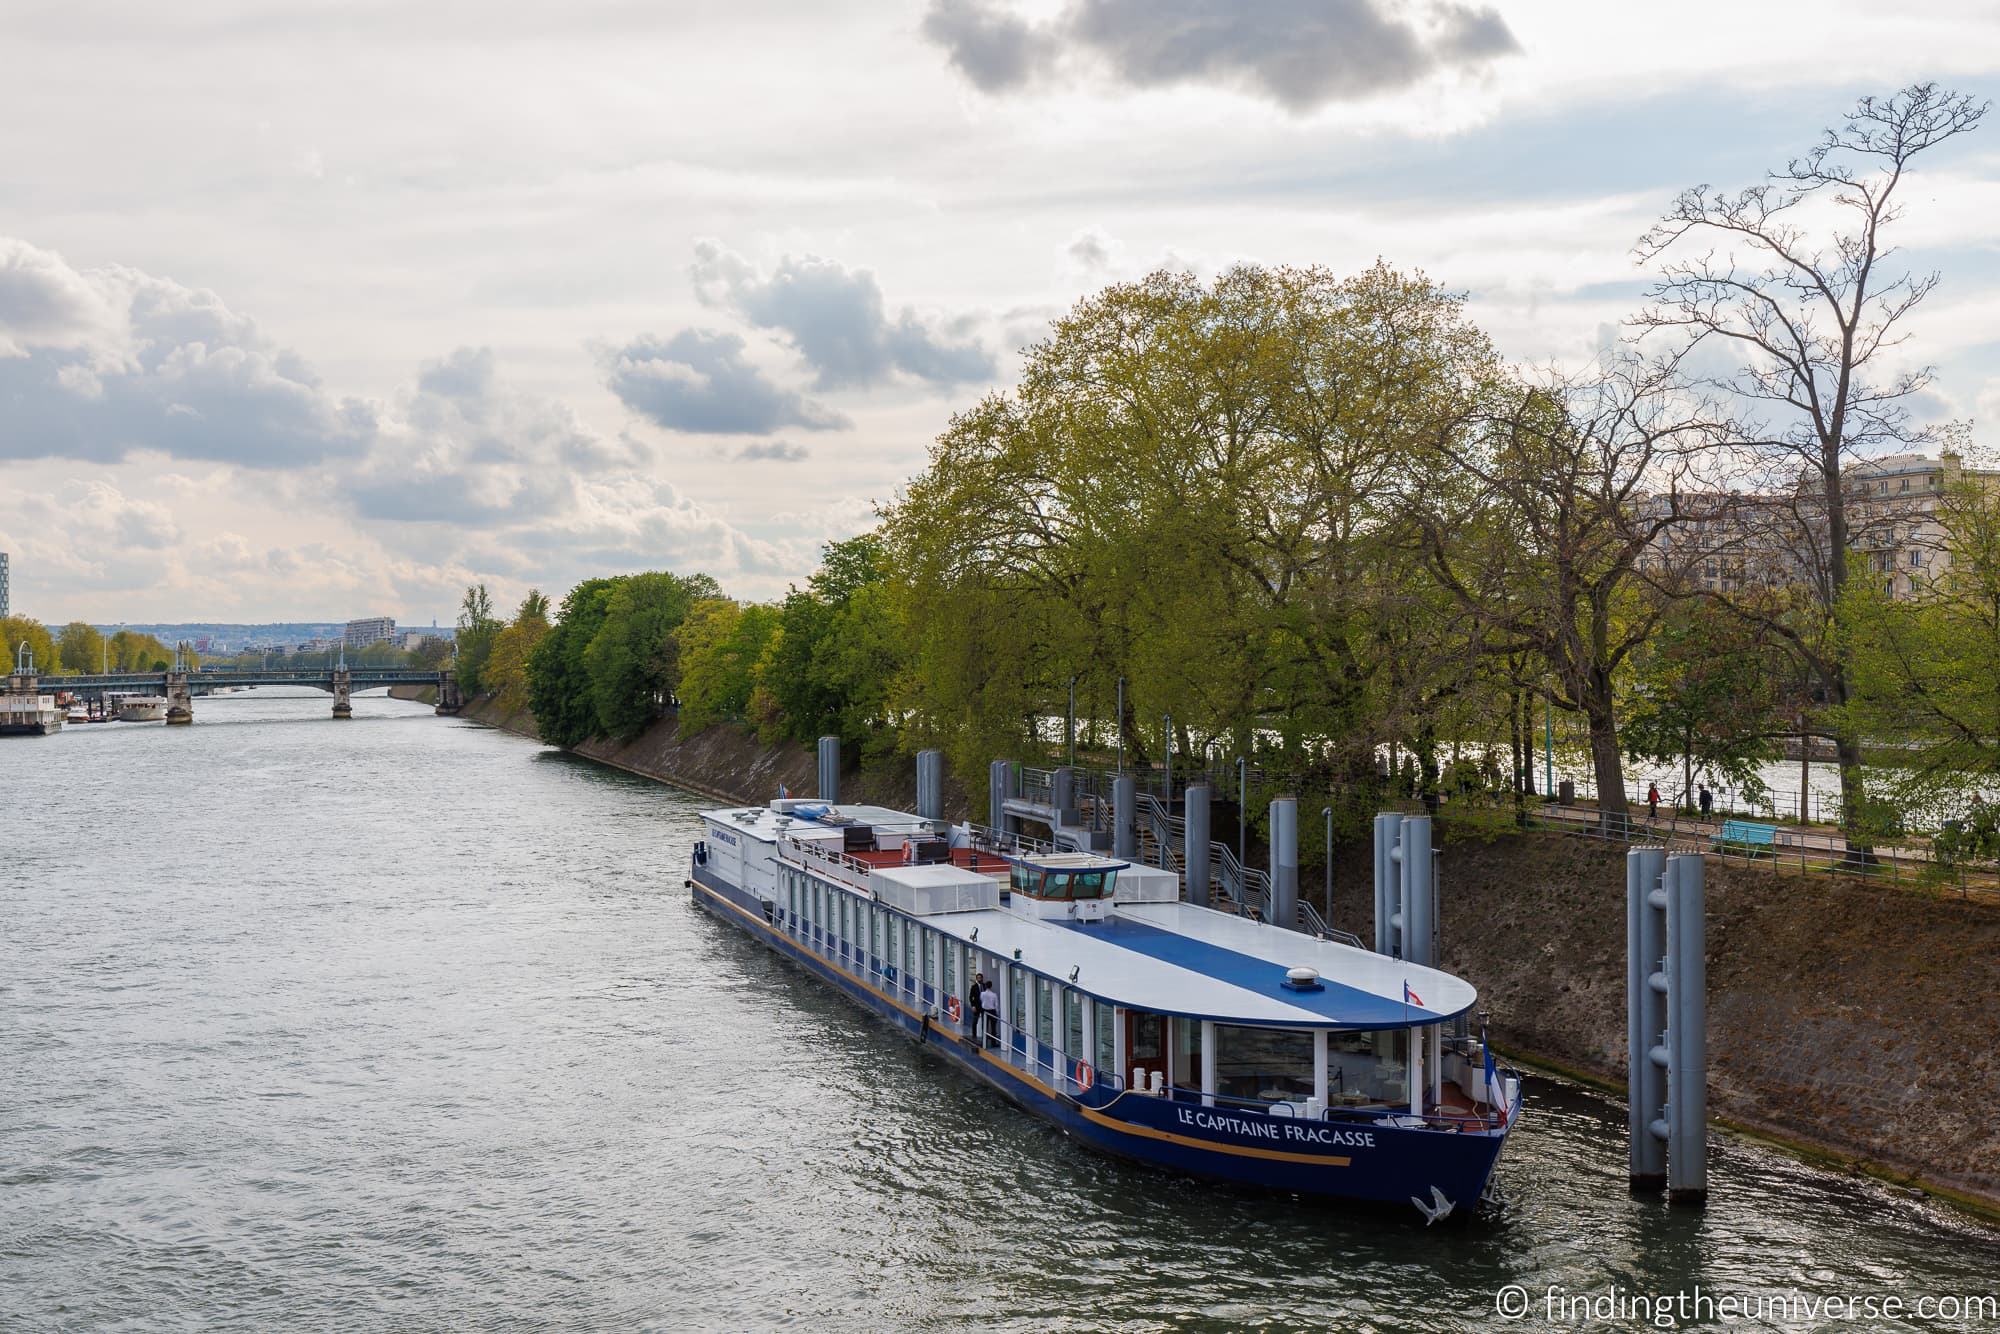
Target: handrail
1250, 888
1316, 925
836, 861
988, 838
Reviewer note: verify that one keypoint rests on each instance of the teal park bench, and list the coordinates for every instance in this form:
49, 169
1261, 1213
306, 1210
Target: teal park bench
1748, 838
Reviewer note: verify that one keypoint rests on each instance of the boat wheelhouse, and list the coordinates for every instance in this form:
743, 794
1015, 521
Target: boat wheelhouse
1146, 1026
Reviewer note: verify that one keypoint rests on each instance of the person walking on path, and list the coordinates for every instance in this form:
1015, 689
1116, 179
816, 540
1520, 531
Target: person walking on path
1707, 801
1652, 801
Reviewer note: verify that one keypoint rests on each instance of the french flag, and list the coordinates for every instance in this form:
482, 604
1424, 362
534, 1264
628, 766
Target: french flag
782, 794
1410, 997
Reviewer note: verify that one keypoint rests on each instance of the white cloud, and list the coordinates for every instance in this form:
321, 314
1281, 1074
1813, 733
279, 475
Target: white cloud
700, 381
835, 319
110, 361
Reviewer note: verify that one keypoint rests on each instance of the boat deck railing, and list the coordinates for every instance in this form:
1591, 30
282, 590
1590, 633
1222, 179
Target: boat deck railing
988, 839
831, 862
1363, 1114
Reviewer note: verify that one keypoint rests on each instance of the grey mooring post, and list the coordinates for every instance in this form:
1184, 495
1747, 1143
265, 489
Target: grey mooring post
1687, 1030
1125, 818
1285, 862
999, 781
1062, 794
1645, 1018
1666, 993
930, 784
1388, 833
829, 768
1414, 907
1196, 855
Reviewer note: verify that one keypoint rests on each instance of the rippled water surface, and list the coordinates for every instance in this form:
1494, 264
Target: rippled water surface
408, 1023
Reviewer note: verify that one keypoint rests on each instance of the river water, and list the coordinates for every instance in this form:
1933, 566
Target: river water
407, 1023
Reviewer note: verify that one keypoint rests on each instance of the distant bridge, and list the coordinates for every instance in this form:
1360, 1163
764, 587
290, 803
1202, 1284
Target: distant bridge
179, 688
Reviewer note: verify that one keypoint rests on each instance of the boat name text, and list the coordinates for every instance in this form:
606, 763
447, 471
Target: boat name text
1296, 1131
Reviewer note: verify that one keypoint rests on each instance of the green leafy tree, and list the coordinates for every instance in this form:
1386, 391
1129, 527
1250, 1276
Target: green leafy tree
633, 658
1709, 693
559, 682
507, 667
431, 654
41, 645
131, 651
1191, 488
80, 648
476, 628
1923, 669
720, 645
829, 668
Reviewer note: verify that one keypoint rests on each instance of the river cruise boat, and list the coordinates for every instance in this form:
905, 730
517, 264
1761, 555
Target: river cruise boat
1147, 1027
24, 714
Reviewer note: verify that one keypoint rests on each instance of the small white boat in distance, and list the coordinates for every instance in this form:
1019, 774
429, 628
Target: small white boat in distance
140, 708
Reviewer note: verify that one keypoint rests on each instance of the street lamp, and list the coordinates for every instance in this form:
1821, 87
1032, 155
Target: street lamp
1117, 726
1328, 813
1242, 809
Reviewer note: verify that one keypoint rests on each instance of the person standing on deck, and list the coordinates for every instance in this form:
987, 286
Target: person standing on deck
989, 1011
973, 1005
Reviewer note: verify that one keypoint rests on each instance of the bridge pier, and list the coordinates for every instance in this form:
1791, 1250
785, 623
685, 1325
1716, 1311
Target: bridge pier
449, 699
180, 699
343, 690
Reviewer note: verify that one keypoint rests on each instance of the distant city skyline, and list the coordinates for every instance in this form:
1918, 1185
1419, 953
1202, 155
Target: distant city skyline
690, 297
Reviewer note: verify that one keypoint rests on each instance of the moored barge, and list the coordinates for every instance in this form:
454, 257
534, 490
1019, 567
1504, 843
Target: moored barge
1147, 1027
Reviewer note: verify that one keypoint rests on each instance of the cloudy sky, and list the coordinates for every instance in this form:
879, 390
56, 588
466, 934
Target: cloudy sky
319, 310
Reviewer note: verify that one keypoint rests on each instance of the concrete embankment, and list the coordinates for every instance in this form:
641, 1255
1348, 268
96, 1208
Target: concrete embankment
1845, 1020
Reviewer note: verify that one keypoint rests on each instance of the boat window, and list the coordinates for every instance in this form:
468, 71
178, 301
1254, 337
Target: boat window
1368, 1067
1073, 1023
1086, 885
1026, 880
951, 968
1106, 1056
930, 956
1187, 1054
1017, 986
1045, 1010
875, 934
909, 951
1270, 1064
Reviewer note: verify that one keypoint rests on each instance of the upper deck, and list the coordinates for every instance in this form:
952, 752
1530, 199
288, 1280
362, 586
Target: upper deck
1136, 947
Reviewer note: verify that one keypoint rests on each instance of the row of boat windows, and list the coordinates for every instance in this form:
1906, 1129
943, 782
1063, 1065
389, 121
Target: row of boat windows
925, 965
922, 962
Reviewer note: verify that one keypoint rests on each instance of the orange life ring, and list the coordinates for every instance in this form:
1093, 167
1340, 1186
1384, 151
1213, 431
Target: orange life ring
954, 1009
1084, 1075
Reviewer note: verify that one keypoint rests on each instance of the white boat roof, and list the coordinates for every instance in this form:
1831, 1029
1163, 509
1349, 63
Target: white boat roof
1167, 958
1179, 959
